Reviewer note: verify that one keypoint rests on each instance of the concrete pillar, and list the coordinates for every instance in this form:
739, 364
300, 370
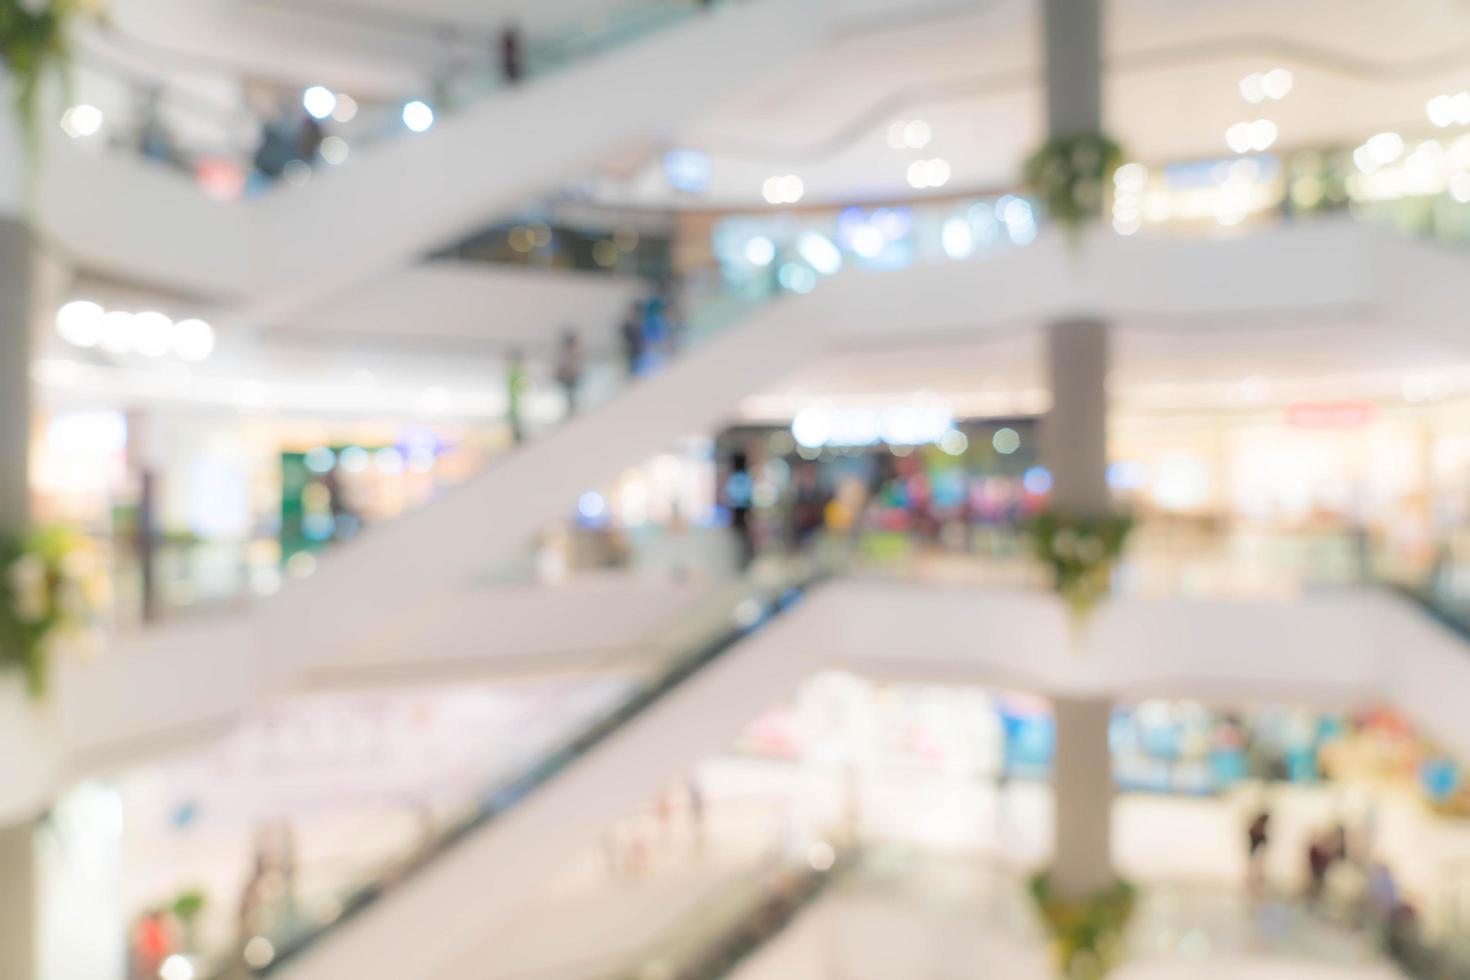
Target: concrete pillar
1082, 783
1074, 448
1072, 34
19, 902
17, 277
1074, 433
19, 877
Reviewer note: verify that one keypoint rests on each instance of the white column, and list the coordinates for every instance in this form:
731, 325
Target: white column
1074, 433
17, 274
1074, 449
18, 874
1072, 33
1082, 784
18, 901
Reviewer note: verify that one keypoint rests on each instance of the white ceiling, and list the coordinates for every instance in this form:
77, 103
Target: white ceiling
1360, 66
969, 67
1152, 367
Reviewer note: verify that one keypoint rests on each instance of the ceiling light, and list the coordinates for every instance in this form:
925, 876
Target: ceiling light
783, 190
1252, 88
319, 101
1385, 148
334, 150
193, 340
81, 120
957, 237
1130, 177
152, 333
820, 252
868, 241
1460, 188
417, 116
1244, 137
117, 332
1277, 84
79, 323
916, 135
1446, 110
346, 109
760, 251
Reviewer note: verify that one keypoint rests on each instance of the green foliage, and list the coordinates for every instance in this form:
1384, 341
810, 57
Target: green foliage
1081, 552
51, 583
1072, 176
187, 906
1087, 933
33, 43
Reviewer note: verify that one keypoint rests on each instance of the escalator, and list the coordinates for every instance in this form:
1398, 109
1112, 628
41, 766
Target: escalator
374, 586
720, 935
425, 909
395, 200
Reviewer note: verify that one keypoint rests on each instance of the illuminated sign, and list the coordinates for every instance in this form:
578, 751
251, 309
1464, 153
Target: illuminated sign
903, 425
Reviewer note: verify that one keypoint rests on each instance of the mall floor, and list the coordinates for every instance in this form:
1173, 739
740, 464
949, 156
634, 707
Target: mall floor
958, 838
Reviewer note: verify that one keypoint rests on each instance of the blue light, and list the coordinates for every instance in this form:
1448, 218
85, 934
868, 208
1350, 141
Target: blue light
317, 527
687, 171
739, 489
591, 505
1125, 474
797, 278
320, 459
1037, 480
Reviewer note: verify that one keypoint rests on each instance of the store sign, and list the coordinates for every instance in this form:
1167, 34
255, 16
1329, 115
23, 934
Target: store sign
903, 425
1330, 415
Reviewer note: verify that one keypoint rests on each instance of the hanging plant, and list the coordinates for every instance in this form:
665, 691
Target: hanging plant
1071, 175
33, 43
1086, 933
52, 591
1081, 553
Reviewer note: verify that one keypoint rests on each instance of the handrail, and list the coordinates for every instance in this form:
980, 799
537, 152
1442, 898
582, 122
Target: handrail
772, 601
541, 55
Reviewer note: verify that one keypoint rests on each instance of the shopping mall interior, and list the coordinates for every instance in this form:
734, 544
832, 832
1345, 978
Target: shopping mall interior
752, 489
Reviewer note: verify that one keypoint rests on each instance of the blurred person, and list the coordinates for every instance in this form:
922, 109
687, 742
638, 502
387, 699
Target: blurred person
1258, 837
569, 367
515, 388
1383, 892
696, 811
309, 136
153, 942
809, 509
655, 331
631, 334
153, 138
1323, 852
1318, 861
277, 147
1404, 942
738, 499
512, 67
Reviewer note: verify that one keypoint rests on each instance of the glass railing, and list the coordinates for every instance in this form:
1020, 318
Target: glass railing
230, 149
633, 679
191, 576
713, 938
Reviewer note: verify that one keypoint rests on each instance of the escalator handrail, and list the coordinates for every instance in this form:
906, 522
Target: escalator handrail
510, 792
